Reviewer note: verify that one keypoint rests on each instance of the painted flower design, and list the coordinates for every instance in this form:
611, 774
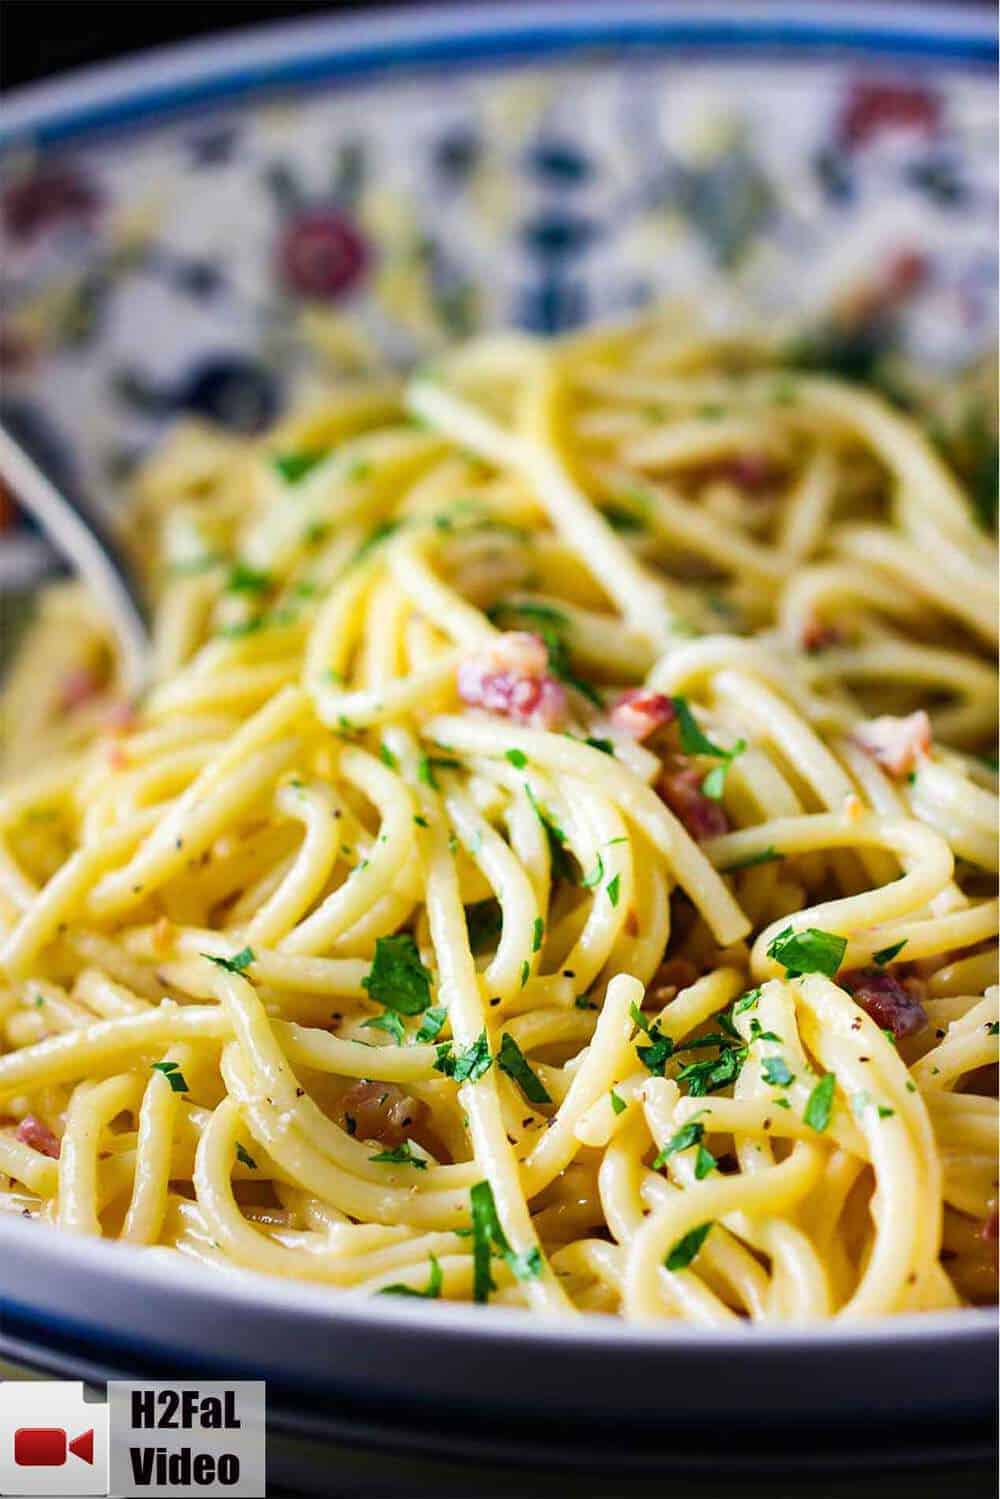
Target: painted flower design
55, 193
321, 255
873, 106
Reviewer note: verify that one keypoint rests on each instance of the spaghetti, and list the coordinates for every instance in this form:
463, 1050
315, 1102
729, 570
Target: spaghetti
552, 863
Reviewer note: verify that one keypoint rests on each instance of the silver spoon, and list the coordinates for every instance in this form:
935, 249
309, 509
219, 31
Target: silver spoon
93, 556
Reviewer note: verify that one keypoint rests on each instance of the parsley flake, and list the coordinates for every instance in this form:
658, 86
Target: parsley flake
819, 1105
431, 1291
402, 1155
397, 978
511, 1059
174, 1076
681, 1254
808, 951
238, 963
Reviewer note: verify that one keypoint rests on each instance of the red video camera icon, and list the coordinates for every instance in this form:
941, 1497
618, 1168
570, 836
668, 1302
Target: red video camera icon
47, 1446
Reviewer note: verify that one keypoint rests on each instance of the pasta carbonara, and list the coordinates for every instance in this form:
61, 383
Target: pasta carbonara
552, 863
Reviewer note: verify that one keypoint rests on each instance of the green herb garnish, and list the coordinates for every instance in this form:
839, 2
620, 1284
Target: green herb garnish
402, 1155
809, 951
174, 1076
819, 1105
511, 1059
431, 1291
238, 963
294, 466
397, 978
680, 1256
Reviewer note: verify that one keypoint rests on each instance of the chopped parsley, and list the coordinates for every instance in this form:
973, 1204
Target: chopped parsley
718, 1072
766, 856
470, 1065
174, 1076
488, 1238
613, 888
511, 1059
402, 1155
517, 758
809, 951
431, 1291
693, 740
704, 1163
605, 746
244, 1157
294, 466
686, 1136
657, 1054
428, 764
397, 978
681, 1254
537, 934
432, 1022
245, 579
238, 963
886, 954
387, 757
776, 1071
618, 1103
387, 1021
564, 866
593, 879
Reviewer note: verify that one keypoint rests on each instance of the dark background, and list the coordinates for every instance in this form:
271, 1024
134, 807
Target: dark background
41, 37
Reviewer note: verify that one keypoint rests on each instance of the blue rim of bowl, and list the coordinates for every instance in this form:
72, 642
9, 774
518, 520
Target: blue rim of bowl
170, 81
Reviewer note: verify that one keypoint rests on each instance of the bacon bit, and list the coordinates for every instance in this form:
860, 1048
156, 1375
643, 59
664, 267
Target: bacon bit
79, 685
680, 787
817, 636
896, 743
510, 676
873, 106
754, 473
893, 1005
380, 1111
640, 712
117, 758
31, 1131
120, 718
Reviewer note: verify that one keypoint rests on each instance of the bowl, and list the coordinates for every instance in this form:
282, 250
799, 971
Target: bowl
203, 229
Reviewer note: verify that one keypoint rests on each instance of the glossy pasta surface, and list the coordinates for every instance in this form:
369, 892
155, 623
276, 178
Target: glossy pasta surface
553, 863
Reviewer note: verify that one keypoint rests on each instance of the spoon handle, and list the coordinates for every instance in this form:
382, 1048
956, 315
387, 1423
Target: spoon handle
77, 540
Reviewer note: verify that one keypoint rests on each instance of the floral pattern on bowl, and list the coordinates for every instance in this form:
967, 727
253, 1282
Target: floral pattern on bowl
208, 261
